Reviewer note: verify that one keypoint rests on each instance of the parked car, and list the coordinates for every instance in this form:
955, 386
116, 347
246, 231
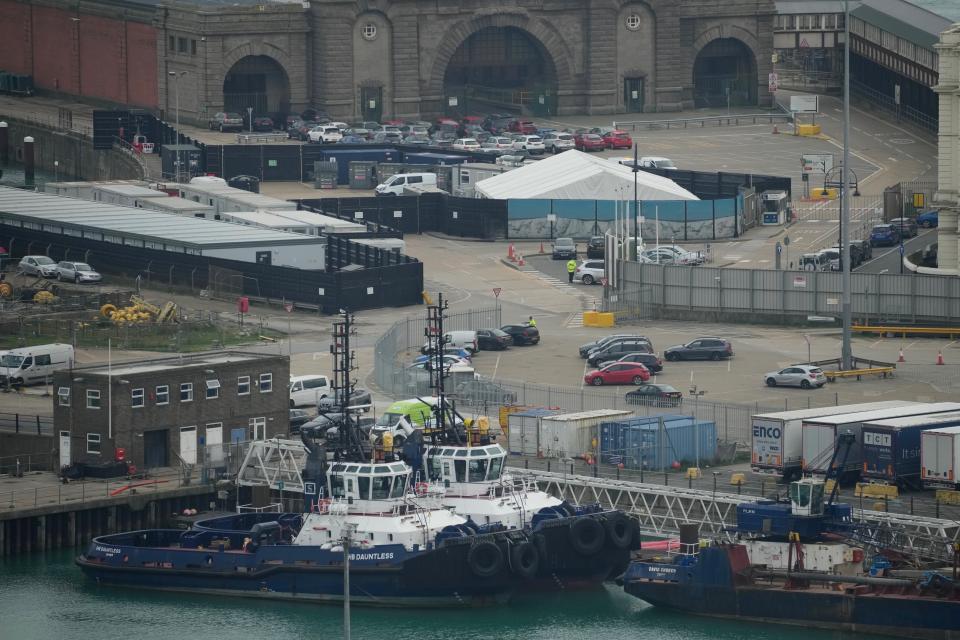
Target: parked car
832, 254
799, 375
617, 139
928, 219
40, 266
814, 262
417, 140
884, 235
449, 360
657, 162
325, 133
656, 395
558, 141
223, 121
293, 129
585, 349
359, 398
262, 123
596, 247
907, 226
522, 334
658, 256
589, 142
525, 127
564, 249
650, 360
700, 349
866, 249
388, 137
364, 423
681, 255
453, 350
306, 391
466, 144
618, 373
298, 418
615, 349
589, 272
353, 140
531, 144
29, 365
493, 339
77, 272
483, 392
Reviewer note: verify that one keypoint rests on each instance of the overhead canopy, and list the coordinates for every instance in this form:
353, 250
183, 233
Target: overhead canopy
574, 175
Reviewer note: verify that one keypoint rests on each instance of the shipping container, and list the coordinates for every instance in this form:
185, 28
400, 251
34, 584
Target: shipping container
343, 158
657, 445
613, 434
820, 435
179, 207
940, 458
572, 435
434, 158
523, 432
125, 195
776, 444
225, 199
891, 448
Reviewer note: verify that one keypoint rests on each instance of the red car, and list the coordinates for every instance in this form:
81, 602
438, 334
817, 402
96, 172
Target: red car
523, 126
618, 140
588, 142
477, 120
618, 373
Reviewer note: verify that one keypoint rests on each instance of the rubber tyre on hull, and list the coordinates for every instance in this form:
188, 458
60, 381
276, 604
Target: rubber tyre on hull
485, 559
587, 536
619, 530
525, 559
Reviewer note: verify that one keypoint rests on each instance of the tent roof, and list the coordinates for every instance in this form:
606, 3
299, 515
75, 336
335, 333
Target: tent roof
574, 175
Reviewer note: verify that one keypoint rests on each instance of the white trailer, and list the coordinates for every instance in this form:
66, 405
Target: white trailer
225, 199
178, 207
940, 458
267, 220
820, 434
776, 443
571, 435
125, 195
319, 223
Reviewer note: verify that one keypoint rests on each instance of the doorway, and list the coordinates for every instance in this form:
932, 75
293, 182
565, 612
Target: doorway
64, 449
188, 444
633, 95
155, 449
258, 428
371, 103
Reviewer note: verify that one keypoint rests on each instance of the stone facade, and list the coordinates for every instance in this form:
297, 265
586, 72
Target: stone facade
947, 198
134, 393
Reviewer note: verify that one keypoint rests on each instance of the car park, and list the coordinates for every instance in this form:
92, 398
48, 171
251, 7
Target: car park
40, 266
907, 226
522, 334
618, 373
700, 349
478, 392
799, 375
493, 339
596, 247
585, 349
224, 121
650, 360
655, 395
531, 144
325, 133
77, 272
589, 142
589, 272
884, 235
928, 219
558, 141
359, 398
657, 162
617, 139
564, 249
262, 123
614, 349
466, 144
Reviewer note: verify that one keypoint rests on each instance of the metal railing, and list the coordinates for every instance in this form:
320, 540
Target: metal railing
799, 79
729, 120
888, 103
26, 423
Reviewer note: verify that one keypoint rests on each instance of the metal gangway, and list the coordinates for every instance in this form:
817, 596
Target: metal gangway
662, 509
275, 463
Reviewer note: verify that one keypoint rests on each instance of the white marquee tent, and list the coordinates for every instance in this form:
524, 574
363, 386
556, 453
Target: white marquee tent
574, 175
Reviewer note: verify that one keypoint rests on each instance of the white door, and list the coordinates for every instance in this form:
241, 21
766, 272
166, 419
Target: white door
188, 444
64, 448
214, 442
258, 428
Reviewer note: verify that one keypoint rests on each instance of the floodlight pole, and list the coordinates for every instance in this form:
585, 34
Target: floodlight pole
846, 353
636, 205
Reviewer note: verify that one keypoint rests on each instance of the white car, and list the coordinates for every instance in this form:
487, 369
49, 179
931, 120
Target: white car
325, 133
681, 255
531, 144
558, 141
657, 162
40, 266
77, 272
589, 272
798, 375
501, 142
466, 144
343, 126
658, 256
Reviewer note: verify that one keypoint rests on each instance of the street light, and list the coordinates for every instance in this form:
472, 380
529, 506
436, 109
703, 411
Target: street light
56, 171
176, 87
846, 349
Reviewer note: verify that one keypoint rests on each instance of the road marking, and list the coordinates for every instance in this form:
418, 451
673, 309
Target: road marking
495, 367
745, 260
582, 382
729, 362
575, 320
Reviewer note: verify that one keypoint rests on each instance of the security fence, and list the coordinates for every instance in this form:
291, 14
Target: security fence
768, 295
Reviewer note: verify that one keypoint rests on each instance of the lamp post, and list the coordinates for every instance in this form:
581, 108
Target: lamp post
56, 171
846, 350
176, 88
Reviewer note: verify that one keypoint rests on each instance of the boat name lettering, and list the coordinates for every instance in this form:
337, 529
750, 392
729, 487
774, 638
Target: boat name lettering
371, 556
107, 549
670, 570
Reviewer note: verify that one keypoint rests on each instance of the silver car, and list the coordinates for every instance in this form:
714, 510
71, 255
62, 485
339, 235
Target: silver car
40, 266
798, 375
77, 272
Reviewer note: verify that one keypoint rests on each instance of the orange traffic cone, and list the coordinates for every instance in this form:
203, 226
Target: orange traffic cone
520, 262
901, 358
776, 130
510, 253
939, 357
541, 246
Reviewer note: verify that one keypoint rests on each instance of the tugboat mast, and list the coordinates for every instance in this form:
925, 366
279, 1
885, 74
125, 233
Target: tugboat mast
350, 444
445, 428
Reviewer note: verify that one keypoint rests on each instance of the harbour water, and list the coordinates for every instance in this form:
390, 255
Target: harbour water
44, 596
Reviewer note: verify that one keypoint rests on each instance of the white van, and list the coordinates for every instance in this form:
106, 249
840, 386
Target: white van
395, 184
32, 365
306, 391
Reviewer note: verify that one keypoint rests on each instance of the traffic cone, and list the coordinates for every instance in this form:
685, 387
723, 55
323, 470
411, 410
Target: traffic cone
510, 254
776, 130
901, 358
541, 246
520, 262
939, 357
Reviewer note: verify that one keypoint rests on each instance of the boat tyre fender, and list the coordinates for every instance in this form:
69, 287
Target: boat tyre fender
485, 559
525, 559
567, 508
618, 530
587, 536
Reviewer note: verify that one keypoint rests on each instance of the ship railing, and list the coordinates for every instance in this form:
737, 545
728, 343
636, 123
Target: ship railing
275, 507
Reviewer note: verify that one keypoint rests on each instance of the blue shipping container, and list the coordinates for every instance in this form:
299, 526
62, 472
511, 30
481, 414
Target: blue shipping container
345, 156
649, 446
613, 434
434, 158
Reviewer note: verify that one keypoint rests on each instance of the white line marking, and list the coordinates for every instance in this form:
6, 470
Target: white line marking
495, 367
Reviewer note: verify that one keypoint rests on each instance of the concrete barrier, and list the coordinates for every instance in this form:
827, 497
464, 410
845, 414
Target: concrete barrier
807, 130
866, 490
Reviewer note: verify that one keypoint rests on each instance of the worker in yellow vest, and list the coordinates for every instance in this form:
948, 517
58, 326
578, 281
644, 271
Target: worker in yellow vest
571, 268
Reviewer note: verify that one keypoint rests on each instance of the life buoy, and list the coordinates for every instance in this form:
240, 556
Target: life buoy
485, 559
586, 536
421, 488
619, 530
525, 559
